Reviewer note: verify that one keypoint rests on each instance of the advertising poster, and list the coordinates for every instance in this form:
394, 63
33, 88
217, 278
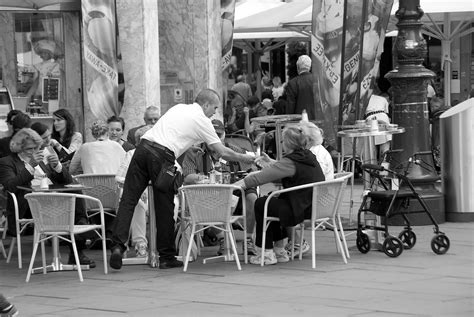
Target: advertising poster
101, 75
340, 29
227, 30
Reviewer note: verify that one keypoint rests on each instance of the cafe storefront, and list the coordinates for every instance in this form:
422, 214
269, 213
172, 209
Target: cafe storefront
40, 57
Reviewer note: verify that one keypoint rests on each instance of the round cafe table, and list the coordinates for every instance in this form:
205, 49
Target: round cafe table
277, 122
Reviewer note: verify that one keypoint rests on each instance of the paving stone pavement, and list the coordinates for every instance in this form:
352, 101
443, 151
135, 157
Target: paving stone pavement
417, 283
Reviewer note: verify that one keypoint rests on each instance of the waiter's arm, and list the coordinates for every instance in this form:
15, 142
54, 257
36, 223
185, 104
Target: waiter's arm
230, 155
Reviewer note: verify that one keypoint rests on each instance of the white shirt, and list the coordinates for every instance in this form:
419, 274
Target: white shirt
378, 103
97, 157
324, 160
181, 127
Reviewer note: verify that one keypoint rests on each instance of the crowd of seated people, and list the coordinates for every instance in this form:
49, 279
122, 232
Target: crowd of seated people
39, 153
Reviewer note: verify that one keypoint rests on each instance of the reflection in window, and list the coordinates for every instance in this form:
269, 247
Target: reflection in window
40, 58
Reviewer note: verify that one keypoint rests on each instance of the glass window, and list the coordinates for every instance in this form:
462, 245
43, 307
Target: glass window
40, 58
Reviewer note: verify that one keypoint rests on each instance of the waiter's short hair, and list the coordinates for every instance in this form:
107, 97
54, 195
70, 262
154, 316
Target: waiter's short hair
206, 95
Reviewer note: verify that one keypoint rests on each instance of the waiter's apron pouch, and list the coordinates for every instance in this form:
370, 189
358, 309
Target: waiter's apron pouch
168, 178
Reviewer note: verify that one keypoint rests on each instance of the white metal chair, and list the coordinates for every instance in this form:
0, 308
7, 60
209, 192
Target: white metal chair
103, 187
326, 199
21, 224
210, 205
53, 214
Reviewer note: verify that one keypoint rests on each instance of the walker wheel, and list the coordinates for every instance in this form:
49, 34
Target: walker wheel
408, 238
392, 246
440, 244
363, 242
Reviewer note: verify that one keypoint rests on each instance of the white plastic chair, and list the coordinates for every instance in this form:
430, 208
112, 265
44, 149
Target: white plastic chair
53, 214
326, 199
210, 205
103, 187
21, 224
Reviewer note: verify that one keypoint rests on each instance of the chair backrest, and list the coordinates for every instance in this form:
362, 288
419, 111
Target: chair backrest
208, 203
327, 196
52, 211
103, 187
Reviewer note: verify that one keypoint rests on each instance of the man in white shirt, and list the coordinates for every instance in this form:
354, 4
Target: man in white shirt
176, 131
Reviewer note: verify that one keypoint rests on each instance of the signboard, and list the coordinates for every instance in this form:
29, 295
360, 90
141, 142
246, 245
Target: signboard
346, 44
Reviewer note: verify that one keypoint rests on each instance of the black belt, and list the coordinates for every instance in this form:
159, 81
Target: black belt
368, 114
158, 146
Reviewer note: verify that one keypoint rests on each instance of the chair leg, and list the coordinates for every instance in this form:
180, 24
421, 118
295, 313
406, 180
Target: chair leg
104, 249
43, 255
231, 238
190, 245
293, 236
10, 250
264, 234
300, 256
343, 236
313, 246
76, 257
18, 247
2, 249
339, 244
33, 255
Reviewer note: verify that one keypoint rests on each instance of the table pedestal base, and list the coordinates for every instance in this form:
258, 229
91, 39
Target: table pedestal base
57, 266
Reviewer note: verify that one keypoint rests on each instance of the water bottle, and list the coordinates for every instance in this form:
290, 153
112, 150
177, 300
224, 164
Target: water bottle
304, 116
218, 172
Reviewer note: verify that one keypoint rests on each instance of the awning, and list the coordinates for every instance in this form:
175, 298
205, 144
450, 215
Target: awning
40, 5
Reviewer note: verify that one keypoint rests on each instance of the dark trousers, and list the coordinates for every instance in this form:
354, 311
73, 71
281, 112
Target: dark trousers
145, 166
274, 232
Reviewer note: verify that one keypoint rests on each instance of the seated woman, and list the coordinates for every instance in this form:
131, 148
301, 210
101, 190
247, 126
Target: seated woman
299, 166
116, 128
26, 166
102, 156
65, 140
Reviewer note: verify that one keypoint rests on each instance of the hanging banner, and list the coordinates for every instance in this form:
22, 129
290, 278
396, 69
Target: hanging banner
101, 76
336, 66
227, 30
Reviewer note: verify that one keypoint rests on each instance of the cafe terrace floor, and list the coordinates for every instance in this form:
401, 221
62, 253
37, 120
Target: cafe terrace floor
417, 283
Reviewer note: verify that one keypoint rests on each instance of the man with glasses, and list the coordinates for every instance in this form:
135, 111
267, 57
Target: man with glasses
152, 114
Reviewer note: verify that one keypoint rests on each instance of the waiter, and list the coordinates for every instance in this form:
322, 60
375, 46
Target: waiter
176, 131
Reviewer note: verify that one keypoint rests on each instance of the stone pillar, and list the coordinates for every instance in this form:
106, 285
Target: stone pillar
138, 32
7, 51
190, 49
410, 105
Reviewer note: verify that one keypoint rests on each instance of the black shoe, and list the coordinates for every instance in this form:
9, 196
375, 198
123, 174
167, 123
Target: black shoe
170, 264
116, 258
83, 259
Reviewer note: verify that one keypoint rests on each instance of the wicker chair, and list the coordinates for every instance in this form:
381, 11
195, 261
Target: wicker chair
21, 224
327, 196
210, 205
103, 187
53, 214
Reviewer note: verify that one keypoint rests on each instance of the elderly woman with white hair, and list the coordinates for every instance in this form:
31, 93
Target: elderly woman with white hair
299, 166
315, 145
102, 156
